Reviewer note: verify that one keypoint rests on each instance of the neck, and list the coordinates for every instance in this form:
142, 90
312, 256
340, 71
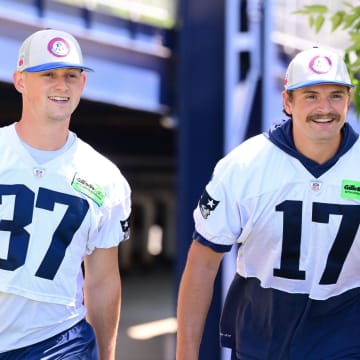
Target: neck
51, 137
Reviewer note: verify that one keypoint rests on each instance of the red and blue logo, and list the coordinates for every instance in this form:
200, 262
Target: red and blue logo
59, 47
320, 64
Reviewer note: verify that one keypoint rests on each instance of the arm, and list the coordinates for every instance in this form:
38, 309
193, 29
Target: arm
102, 294
195, 295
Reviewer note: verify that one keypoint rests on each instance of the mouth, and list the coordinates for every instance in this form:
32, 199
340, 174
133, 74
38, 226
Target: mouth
59, 98
323, 119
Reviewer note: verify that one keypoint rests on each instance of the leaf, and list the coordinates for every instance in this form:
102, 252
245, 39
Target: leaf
319, 22
312, 21
337, 19
355, 66
320, 9
349, 20
355, 38
301, 12
357, 103
310, 9
356, 25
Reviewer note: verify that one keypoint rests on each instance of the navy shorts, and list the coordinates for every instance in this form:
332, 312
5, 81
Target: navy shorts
76, 343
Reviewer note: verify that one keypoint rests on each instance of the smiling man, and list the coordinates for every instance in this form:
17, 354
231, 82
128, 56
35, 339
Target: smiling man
317, 98
290, 199
62, 205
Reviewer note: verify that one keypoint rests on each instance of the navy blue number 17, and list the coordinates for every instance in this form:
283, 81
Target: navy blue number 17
292, 221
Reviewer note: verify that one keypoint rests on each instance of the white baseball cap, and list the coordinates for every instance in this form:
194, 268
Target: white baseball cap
314, 67
50, 49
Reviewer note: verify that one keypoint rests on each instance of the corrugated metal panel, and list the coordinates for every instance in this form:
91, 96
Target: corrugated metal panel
132, 60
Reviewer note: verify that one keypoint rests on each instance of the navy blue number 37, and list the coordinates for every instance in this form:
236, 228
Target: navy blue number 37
23, 215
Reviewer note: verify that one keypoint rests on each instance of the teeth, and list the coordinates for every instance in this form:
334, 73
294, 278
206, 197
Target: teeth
58, 98
322, 120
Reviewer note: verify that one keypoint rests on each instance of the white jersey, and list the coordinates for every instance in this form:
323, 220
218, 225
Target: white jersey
51, 216
296, 293
297, 222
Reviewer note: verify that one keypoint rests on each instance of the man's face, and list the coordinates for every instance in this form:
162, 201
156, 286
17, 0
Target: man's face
53, 94
318, 112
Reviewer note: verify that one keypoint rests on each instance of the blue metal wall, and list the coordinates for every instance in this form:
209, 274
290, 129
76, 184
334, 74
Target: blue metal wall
200, 110
134, 60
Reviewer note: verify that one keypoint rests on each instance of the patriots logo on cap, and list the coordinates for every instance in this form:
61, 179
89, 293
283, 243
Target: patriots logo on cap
286, 80
320, 64
21, 60
58, 47
207, 204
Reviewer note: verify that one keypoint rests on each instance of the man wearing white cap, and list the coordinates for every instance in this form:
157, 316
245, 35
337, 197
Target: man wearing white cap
62, 205
290, 200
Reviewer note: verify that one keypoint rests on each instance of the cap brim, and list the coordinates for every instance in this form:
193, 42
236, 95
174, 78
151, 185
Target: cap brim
56, 65
317, 82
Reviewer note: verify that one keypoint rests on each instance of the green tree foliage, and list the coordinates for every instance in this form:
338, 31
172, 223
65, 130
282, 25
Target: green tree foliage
347, 19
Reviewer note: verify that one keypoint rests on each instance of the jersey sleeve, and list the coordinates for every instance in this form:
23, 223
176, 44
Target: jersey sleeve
217, 217
113, 224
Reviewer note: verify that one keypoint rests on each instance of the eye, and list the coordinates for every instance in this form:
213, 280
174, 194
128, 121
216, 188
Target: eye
336, 96
73, 75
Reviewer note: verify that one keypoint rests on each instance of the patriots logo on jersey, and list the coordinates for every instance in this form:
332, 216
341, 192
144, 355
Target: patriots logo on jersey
125, 226
207, 204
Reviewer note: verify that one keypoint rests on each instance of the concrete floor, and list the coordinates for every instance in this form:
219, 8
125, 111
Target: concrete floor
148, 295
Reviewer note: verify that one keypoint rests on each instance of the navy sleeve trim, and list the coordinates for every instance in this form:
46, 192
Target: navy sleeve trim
216, 247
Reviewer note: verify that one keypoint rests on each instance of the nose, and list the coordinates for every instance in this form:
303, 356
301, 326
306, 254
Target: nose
61, 83
324, 104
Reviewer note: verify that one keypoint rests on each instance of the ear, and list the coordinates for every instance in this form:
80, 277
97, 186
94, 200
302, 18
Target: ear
351, 97
83, 78
18, 81
286, 102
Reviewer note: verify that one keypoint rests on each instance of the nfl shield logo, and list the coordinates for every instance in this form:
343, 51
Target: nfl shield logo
39, 172
315, 185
